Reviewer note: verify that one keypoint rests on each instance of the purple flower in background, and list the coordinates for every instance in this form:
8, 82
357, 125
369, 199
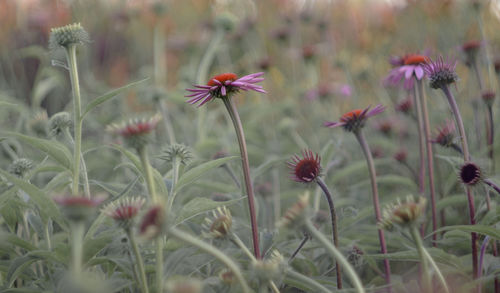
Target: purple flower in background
223, 85
407, 67
354, 120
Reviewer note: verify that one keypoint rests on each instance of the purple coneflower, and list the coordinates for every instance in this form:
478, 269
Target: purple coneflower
407, 67
77, 208
445, 136
354, 120
124, 210
223, 85
305, 169
441, 72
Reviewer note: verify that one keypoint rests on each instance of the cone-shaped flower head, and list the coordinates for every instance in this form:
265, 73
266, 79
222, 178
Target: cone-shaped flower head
124, 210
470, 174
153, 222
445, 135
223, 85
296, 214
177, 151
65, 36
470, 49
408, 67
488, 97
219, 225
441, 72
305, 169
78, 208
405, 105
401, 155
403, 213
354, 120
59, 122
19, 167
136, 132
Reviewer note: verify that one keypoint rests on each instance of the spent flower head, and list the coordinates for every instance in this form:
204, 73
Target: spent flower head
441, 72
223, 86
403, 213
177, 151
124, 210
181, 284
271, 268
19, 167
78, 208
354, 120
219, 225
404, 106
305, 169
65, 36
445, 135
470, 174
136, 132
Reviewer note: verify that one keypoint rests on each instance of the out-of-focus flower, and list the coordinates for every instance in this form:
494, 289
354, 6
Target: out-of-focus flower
180, 284
345, 90
470, 174
296, 213
177, 151
403, 213
59, 122
39, 123
124, 210
219, 225
269, 269
404, 106
153, 222
445, 135
135, 131
305, 169
78, 208
401, 155
408, 67
386, 126
471, 49
223, 85
19, 167
354, 120
441, 72
65, 36
488, 97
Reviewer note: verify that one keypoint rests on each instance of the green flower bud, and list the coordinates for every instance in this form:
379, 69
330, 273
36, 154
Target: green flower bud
65, 36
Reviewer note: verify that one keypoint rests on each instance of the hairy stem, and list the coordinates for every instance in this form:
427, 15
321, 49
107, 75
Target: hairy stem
376, 204
235, 118
77, 231
301, 244
221, 256
335, 234
140, 263
336, 254
426, 277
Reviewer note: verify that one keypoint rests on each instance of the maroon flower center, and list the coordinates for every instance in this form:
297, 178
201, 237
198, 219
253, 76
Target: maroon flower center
349, 116
125, 212
307, 169
222, 78
470, 174
471, 46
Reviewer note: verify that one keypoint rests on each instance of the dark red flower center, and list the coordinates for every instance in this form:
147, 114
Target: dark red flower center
222, 78
125, 212
415, 59
351, 115
470, 174
471, 46
307, 169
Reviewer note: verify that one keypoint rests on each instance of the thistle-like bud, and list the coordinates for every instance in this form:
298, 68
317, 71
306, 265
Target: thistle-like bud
19, 167
78, 208
136, 132
177, 151
59, 122
403, 214
123, 211
269, 269
181, 284
65, 36
219, 225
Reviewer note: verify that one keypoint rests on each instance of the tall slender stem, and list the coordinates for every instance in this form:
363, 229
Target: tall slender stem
140, 263
336, 255
491, 136
301, 244
235, 118
426, 277
430, 158
221, 256
421, 143
465, 150
335, 234
75, 85
437, 270
77, 231
86, 186
307, 281
376, 204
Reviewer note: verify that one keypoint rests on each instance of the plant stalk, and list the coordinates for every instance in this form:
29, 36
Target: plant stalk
421, 143
307, 281
140, 263
426, 277
235, 118
336, 254
77, 231
376, 204
335, 234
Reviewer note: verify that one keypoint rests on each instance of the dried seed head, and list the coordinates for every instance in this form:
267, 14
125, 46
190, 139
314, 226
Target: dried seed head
19, 167
219, 225
177, 151
65, 36
403, 214
59, 122
470, 174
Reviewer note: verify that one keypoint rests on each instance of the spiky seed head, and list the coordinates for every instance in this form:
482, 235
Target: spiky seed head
470, 174
219, 225
403, 213
136, 132
305, 169
177, 151
441, 72
124, 210
19, 167
59, 122
65, 36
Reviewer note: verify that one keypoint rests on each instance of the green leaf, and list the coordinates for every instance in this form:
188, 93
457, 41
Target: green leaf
198, 171
437, 254
480, 229
358, 167
199, 205
53, 149
16, 241
269, 163
17, 267
47, 207
92, 246
451, 201
107, 96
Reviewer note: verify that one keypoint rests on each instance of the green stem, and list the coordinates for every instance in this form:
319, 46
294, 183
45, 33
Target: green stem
75, 85
438, 271
421, 143
175, 177
77, 231
159, 264
237, 241
221, 256
235, 118
140, 263
146, 166
337, 255
427, 283
86, 186
307, 281
47, 236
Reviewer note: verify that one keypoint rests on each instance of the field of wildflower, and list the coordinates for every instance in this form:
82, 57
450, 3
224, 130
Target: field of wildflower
249, 146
